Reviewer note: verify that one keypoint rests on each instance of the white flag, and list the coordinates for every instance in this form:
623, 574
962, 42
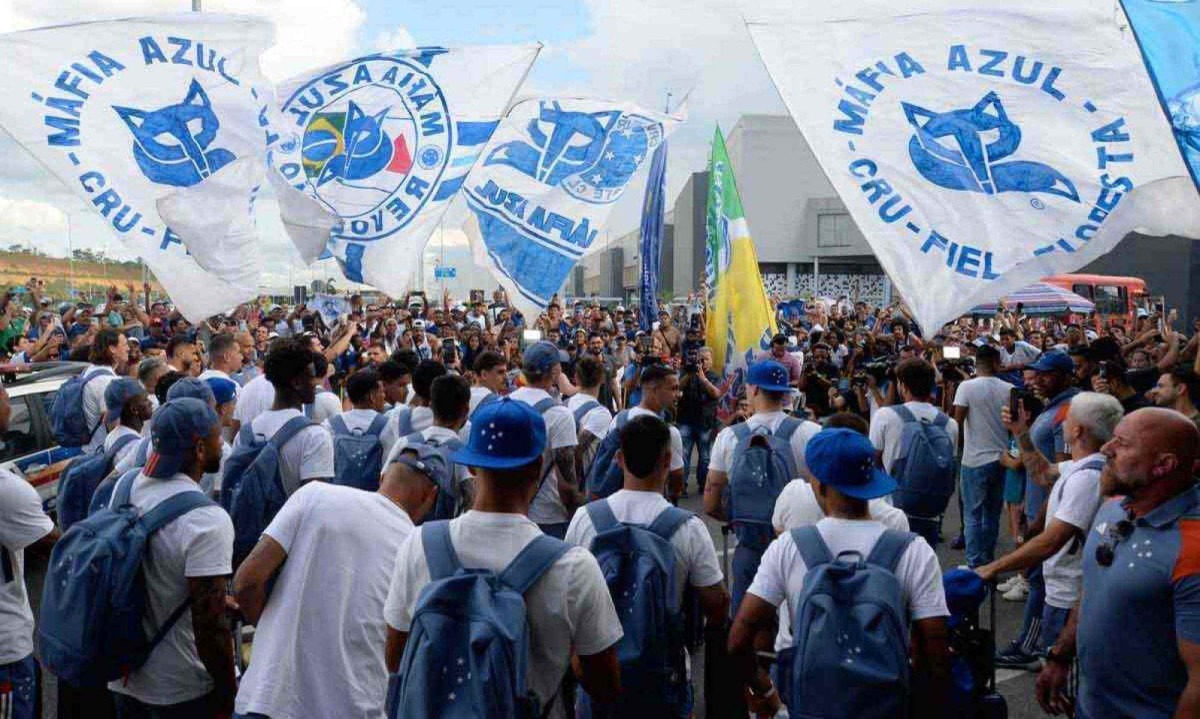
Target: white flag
126, 112
981, 147
386, 141
546, 185
331, 308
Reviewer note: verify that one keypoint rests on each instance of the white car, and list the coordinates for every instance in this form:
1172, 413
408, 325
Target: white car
28, 449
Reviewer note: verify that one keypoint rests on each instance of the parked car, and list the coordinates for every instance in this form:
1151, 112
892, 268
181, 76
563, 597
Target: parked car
28, 449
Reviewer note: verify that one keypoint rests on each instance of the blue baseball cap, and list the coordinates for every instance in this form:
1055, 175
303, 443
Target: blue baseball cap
504, 435
965, 592
1053, 361
224, 390
845, 460
191, 387
768, 375
118, 392
542, 356
178, 426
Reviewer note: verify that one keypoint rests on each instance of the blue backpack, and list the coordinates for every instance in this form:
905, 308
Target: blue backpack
436, 458
763, 464
80, 480
94, 601
67, 419
925, 470
605, 476
252, 484
473, 622
357, 454
638, 563
849, 653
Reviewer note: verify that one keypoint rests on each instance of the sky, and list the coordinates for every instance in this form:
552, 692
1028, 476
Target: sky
635, 50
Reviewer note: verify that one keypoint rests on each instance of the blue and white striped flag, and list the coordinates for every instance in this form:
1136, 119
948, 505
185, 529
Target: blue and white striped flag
1169, 34
386, 141
546, 185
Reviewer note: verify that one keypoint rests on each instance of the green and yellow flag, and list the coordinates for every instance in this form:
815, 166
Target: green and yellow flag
740, 319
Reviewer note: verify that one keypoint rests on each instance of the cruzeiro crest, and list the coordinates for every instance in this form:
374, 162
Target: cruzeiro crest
591, 155
375, 137
176, 144
949, 150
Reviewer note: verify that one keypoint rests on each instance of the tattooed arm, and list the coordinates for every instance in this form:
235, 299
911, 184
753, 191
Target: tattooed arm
214, 641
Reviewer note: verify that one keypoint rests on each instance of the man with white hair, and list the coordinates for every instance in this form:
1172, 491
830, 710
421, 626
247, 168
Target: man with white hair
1070, 509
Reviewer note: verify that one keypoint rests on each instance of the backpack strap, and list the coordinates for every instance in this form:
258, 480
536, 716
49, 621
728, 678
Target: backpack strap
120, 444
602, 516
123, 489
290, 429
941, 420
404, 420
1095, 465
787, 428
742, 431
414, 438
439, 550
338, 425
533, 561
246, 434
488, 398
904, 413
377, 425
812, 547
891, 546
545, 405
582, 410
669, 521
143, 451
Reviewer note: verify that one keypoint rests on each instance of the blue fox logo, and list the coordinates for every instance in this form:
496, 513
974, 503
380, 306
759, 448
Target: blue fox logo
171, 144
366, 147
574, 144
962, 150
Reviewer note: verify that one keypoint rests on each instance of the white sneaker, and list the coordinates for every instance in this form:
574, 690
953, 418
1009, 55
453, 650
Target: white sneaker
1008, 584
1018, 592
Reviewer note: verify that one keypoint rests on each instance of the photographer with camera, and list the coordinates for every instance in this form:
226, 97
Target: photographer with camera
1111, 378
697, 417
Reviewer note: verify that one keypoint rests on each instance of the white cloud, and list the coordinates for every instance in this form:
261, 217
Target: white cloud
398, 39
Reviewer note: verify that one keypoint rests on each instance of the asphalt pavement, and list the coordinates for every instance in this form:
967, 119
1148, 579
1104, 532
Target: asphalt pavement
1016, 686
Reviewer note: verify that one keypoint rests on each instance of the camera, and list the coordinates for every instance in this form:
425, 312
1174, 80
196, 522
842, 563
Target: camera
691, 361
859, 379
881, 370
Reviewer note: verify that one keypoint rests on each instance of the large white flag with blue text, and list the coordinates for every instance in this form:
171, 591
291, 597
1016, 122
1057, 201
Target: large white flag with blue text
129, 112
979, 146
386, 141
546, 185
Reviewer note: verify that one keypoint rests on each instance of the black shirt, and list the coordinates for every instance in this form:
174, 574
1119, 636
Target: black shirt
697, 408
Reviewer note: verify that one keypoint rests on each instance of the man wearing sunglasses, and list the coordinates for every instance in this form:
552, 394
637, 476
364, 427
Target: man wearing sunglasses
1070, 508
1136, 629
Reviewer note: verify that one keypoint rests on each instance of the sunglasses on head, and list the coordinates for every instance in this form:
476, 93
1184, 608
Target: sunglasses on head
1106, 552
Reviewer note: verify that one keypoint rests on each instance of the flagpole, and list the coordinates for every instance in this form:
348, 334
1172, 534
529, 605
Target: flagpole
196, 5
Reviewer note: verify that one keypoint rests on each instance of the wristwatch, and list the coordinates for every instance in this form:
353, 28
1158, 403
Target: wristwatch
1056, 657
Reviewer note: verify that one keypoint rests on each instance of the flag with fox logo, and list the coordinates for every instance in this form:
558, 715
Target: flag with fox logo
385, 142
980, 146
129, 112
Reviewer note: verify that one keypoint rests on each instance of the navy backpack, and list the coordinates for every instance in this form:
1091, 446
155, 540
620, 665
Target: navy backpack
468, 648
605, 476
94, 600
80, 480
435, 456
357, 454
68, 421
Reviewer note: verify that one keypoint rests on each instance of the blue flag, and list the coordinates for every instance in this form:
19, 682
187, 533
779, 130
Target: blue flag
1169, 35
653, 210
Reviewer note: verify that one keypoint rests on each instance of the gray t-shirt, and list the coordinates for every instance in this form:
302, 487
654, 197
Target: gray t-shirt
984, 437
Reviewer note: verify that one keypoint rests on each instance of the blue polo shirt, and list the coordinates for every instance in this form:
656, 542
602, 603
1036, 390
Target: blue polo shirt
1134, 611
1047, 435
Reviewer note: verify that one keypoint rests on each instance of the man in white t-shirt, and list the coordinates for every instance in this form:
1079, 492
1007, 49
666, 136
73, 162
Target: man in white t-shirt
23, 525
1072, 505
188, 562
768, 389
977, 405
127, 409
569, 609
417, 415
109, 355
845, 479
915, 381
451, 395
308, 455
256, 397
491, 378
659, 386
558, 495
366, 399
324, 404
592, 419
225, 359
319, 635
645, 458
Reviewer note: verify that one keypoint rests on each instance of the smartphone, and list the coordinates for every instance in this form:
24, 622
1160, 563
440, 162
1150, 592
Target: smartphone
1014, 403
951, 353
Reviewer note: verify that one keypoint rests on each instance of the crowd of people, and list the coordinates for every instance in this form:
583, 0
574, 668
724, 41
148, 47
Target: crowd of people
432, 508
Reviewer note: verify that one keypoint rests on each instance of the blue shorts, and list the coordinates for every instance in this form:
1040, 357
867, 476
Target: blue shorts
1014, 486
